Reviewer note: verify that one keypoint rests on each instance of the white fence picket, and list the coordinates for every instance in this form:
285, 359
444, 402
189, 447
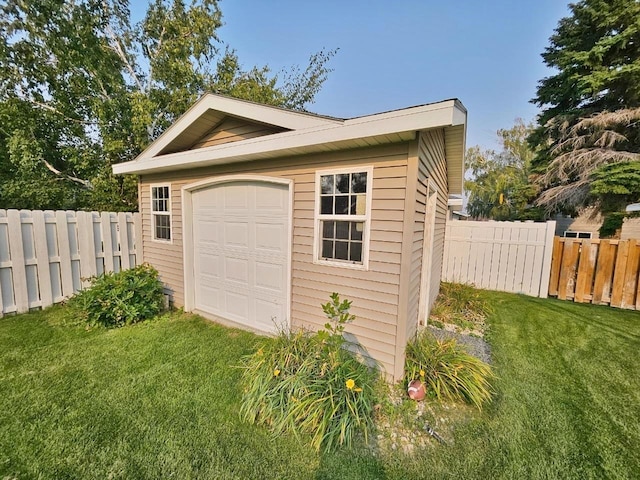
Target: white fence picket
64, 254
107, 245
506, 256
125, 259
42, 258
16, 249
43, 255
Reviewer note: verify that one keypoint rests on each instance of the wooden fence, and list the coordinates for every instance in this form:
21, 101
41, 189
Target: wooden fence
47, 256
505, 256
603, 272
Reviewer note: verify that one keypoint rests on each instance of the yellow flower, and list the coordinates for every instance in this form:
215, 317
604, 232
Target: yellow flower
422, 373
350, 384
276, 372
357, 389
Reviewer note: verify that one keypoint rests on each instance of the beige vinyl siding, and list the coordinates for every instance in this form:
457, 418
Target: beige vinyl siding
417, 250
454, 139
375, 293
433, 164
233, 130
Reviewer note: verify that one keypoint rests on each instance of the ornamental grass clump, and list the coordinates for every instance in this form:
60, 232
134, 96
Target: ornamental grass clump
311, 384
122, 298
462, 305
447, 371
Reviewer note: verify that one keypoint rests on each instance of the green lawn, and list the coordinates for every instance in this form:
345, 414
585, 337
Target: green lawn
160, 399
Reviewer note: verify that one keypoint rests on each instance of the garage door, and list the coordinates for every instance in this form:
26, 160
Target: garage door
241, 251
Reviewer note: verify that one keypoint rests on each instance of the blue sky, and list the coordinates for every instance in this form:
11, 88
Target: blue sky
397, 54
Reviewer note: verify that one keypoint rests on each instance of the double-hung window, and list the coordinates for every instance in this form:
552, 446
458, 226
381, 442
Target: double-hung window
161, 212
343, 215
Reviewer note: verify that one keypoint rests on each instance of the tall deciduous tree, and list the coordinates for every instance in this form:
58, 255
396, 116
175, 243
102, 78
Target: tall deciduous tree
82, 88
587, 120
498, 186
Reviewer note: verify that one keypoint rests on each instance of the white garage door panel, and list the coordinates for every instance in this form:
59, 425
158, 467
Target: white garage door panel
269, 277
241, 249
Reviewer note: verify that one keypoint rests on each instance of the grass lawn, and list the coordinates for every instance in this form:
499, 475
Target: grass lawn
160, 399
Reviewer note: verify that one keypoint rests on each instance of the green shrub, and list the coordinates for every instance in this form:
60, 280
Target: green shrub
311, 385
611, 224
460, 304
448, 372
118, 299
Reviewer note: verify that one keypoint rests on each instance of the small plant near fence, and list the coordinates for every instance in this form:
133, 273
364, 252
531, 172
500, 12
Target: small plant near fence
311, 384
447, 371
118, 299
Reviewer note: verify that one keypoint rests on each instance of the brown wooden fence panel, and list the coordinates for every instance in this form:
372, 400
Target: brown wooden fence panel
556, 258
631, 281
603, 272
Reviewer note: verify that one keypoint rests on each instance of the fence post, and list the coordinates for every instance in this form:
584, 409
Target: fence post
546, 262
137, 232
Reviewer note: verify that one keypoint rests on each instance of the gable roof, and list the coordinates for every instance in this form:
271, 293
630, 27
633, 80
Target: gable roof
296, 133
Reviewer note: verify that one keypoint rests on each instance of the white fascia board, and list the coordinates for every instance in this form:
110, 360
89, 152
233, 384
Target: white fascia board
280, 117
410, 119
252, 111
455, 202
459, 114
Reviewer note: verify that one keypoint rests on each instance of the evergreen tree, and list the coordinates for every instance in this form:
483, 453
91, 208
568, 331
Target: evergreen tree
596, 52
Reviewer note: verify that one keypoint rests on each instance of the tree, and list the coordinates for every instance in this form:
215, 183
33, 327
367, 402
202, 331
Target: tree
499, 186
82, 88
583, 127
596, 160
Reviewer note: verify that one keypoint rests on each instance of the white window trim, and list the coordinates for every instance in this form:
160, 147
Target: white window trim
366, 218
154, 213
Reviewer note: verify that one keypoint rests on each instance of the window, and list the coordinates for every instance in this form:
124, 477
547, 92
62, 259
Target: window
161, 212
342, 216
570, 234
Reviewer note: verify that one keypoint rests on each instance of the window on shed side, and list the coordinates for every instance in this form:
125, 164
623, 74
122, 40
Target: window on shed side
161, 212
343, 215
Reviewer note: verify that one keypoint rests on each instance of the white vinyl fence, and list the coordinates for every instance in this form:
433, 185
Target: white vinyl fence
505, 256
47, 256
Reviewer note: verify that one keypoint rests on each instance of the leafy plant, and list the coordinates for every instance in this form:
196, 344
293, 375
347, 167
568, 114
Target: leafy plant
309, 384
118, 299
337, 312
448, 372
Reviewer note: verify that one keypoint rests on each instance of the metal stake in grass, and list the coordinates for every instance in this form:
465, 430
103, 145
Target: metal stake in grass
434, 434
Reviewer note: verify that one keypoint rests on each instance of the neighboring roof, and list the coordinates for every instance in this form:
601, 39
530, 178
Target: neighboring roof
633, 207
304, 133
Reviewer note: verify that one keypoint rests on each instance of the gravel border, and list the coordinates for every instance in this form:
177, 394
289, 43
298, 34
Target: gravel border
475, 346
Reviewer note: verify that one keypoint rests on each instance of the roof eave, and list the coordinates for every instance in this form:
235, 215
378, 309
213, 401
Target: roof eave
413, 119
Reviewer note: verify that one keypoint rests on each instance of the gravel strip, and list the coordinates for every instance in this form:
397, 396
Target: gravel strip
475, 346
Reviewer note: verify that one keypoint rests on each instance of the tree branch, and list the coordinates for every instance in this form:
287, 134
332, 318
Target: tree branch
46, 106
85, 183
117, 47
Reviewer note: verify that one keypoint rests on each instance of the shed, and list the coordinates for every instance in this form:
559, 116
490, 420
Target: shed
253, 215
